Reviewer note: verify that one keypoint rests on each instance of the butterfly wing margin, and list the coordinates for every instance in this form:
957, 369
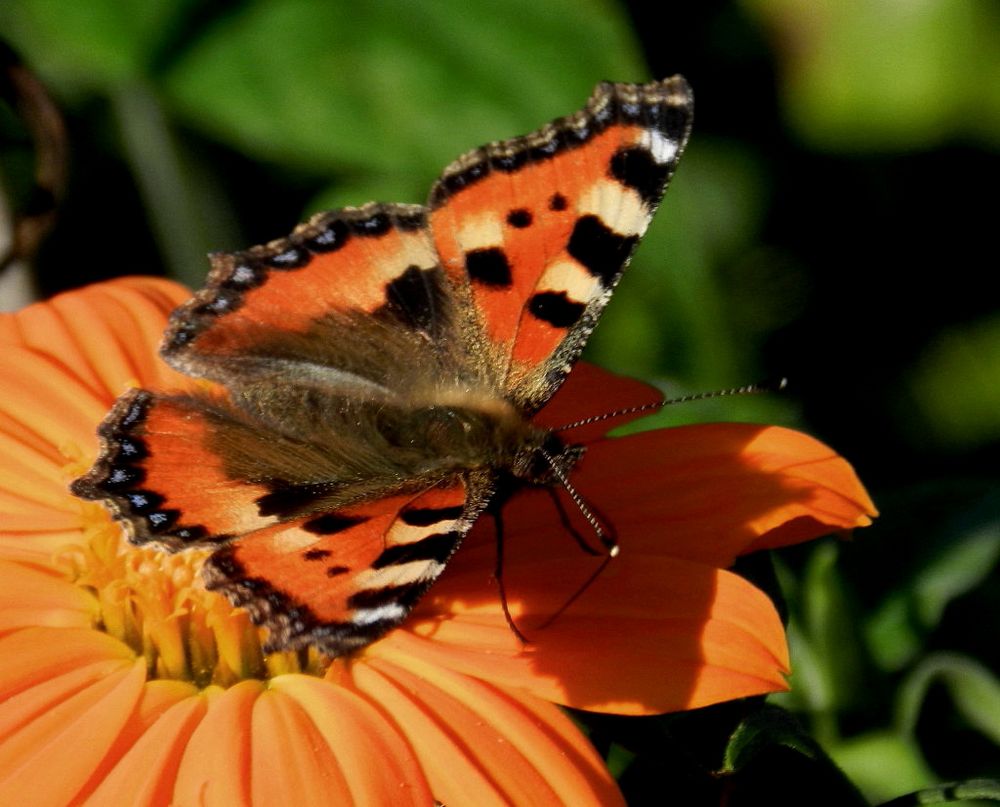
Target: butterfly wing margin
340, 580
158, 477
540, 228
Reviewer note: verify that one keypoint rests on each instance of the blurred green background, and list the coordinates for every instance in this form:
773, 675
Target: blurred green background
833, 221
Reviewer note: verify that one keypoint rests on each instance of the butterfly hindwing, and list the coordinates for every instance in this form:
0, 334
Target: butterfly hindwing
341, 579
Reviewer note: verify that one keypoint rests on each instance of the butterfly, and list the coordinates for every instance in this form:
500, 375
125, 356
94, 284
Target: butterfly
376, 372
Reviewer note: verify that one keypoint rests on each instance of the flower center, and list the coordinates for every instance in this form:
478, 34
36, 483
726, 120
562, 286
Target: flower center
155, 602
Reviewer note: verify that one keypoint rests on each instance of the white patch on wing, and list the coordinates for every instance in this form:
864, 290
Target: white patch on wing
398, 574
416, 251
620, 208
367, 616
662, 148
401, 533
292, 540
570, 277
482, 232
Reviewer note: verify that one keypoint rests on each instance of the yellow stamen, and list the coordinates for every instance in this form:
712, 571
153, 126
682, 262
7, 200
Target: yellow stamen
155, 601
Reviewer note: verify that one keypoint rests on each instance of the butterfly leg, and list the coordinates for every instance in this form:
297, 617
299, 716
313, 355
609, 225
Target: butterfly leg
495, 512
568, 525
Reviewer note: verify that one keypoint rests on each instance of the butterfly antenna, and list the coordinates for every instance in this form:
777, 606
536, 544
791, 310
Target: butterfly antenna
609, 543
746, 389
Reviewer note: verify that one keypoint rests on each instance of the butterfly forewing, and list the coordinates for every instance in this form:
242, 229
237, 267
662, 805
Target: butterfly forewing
542, 226
282, 310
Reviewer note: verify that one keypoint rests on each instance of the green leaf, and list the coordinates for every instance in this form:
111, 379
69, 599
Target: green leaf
880, 74
972, 792
974, 690
955, 557
394, 87
770, 756
883, 764
93, 45
824, 636
764, 729
955, 389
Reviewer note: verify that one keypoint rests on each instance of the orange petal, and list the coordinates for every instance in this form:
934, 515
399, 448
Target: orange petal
35, 547
215, 770
70, 358
31, 478
379, 765
290, 761
482, 745
32, 596
591, 391
46, 694
51, 757
706, 493
649, 635
145, 772
45, 407
104, 334
33, 655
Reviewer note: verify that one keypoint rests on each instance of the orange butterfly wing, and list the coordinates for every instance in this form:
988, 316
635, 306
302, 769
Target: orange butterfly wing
340, 580
542, 226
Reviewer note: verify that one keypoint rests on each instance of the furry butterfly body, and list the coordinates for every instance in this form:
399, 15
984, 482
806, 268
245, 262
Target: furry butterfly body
377, 371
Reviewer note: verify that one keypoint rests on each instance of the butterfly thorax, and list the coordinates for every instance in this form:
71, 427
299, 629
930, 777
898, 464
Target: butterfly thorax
466, 431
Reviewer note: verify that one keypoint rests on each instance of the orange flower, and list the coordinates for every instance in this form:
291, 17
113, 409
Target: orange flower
123, 681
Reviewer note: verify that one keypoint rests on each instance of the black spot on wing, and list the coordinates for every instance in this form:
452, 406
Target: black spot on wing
635, 168
121, 477
519, 218
160, 521
332, 523
599, 249
436, 547
405, 595
557, 202
555, 308
510, 160
316, 554
416, 299
196, 533
489, 267
336, 571
408, 221
426, 516
143, 501
286, 500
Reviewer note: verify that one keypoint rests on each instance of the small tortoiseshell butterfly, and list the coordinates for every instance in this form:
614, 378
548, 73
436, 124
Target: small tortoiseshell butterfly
378, 370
